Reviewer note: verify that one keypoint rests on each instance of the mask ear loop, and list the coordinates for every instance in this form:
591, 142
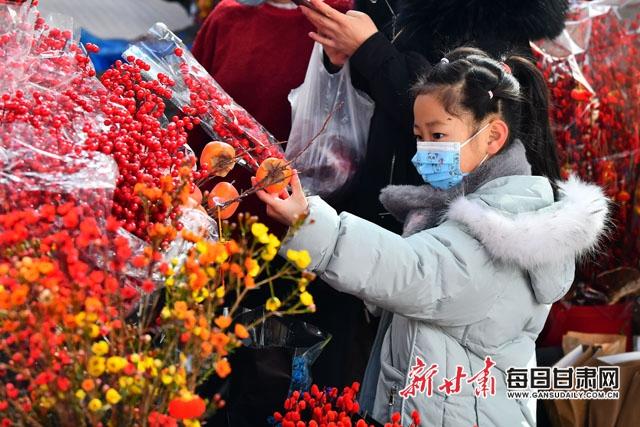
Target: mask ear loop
471, 138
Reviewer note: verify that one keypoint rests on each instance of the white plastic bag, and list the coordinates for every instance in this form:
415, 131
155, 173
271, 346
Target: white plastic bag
327, 165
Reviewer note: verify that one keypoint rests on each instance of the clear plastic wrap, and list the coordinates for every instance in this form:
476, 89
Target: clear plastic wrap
328, 108
593, 72
31, 176
195, 221
17, 32
196, 92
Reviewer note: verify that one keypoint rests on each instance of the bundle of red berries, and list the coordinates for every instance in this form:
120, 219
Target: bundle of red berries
593, 76
329, 408
196, 93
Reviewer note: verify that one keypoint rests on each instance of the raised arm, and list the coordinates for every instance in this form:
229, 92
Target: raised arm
385, 73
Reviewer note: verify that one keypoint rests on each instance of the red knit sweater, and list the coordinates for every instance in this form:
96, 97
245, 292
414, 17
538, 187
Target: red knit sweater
258, 54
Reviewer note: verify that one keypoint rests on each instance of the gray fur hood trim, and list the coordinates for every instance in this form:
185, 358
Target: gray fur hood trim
422, 207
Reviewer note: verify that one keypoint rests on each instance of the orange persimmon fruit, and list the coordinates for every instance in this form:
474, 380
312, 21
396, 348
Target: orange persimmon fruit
222, 193
218, 158
274, 175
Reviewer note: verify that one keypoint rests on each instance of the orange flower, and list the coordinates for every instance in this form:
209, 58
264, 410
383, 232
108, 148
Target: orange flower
190, 236
88, 385
237, 270
93, 305
249, 282
223, 322
198, 279
180, 309
207, 348
223, 368
232, 247
241, 332
19, 295
187, 407
220, 341
190, 320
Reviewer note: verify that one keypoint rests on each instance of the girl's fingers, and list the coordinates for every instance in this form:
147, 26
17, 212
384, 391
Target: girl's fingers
267, 198
297, 192
284, 195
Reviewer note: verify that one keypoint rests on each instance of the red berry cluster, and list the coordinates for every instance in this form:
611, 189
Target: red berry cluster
143, 148
225, 120
196, 93
60, 107
329, 408
597, 121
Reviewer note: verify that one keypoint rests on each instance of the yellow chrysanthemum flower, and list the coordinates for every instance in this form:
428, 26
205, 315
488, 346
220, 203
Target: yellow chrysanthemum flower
115, 364
260, 231
95, 405
94, 331
273, 304
269, 253
100, 348
306, 299
112, 396
301, 259
274, 241
96, 366
253, 268
125, 382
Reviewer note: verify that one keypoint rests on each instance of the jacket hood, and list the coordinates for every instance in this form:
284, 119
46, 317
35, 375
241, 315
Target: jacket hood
517, 221
496, 26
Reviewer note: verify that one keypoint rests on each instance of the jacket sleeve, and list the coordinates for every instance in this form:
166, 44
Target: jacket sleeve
387, 76
425, 276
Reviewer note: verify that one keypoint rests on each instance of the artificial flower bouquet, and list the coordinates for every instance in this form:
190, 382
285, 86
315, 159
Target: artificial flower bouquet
117, 289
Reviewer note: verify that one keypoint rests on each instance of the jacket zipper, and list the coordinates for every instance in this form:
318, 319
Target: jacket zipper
392, 395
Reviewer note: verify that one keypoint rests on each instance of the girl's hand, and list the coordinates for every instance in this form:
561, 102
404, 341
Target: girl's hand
285, 208
339, 32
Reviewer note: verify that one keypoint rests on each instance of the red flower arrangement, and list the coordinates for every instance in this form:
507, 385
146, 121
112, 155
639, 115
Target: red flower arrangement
329, 408
80, 159
593, 77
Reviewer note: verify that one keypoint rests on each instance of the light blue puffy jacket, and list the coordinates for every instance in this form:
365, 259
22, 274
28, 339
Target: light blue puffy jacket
480, 284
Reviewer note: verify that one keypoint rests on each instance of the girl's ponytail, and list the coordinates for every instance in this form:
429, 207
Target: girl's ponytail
535, 127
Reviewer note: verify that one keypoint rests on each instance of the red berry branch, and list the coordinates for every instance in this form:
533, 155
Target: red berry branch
596, 117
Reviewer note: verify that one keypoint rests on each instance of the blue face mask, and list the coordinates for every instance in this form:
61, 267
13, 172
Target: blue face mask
439, 162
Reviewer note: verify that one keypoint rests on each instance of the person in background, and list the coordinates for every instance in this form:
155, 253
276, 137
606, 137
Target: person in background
259, 52
386, 63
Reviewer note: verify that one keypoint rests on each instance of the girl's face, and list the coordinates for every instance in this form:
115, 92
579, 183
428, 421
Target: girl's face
434, 123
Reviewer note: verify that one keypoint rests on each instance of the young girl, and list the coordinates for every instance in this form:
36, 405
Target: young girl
487, 246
